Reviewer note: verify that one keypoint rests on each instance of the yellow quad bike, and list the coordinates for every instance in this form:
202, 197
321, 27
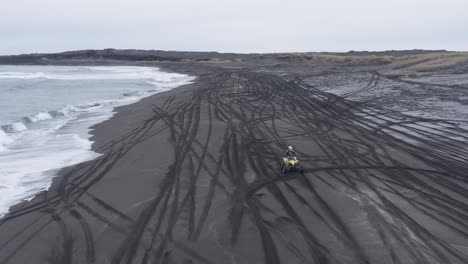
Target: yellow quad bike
290, 164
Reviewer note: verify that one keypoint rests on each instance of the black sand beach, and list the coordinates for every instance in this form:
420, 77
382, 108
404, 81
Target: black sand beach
193, 176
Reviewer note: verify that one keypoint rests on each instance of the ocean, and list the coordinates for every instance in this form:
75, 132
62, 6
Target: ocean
46, 113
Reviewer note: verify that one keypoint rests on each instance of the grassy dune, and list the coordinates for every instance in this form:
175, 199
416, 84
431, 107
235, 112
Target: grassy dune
415, 62
432, 62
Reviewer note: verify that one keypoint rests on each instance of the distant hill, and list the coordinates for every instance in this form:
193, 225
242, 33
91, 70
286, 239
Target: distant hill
413, 60
160, 55
120, 55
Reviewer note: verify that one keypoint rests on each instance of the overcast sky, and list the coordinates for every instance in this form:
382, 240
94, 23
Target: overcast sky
28, 26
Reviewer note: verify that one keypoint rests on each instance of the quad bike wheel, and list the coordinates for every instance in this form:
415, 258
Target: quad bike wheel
284, 169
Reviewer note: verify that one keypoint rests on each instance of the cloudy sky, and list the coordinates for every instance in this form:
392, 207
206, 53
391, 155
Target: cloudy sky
28, 26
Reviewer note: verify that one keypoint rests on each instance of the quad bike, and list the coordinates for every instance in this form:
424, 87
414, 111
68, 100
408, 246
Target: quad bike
290, 164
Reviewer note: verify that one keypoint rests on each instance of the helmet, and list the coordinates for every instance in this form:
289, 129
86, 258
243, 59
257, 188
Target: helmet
290, 148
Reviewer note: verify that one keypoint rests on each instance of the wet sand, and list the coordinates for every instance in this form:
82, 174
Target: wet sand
193, 176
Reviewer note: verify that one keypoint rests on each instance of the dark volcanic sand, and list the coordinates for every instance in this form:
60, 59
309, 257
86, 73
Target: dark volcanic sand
192, 176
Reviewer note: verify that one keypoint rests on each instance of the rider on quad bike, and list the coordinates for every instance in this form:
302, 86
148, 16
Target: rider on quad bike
290, 153
290, 162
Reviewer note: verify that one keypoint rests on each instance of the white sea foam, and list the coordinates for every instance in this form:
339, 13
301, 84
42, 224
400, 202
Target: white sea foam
18, 126
24, 173
40, 116
99, 73
37, 145
21, 75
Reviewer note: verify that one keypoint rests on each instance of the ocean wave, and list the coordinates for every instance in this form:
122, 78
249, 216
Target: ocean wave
24, 122
71, 110
41, 116
14, 127
22, 75
100, 73
133, 94
163, 83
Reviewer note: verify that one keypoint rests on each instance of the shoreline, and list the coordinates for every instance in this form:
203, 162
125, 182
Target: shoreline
56, 179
